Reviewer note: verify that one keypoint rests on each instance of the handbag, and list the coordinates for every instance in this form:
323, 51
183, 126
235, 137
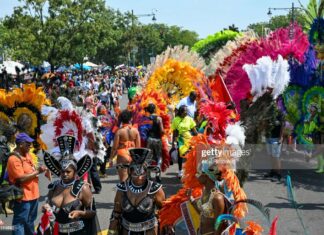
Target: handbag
174, 154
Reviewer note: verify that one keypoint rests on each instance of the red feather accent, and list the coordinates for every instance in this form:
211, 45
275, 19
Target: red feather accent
217, 115
273, 229
69, 116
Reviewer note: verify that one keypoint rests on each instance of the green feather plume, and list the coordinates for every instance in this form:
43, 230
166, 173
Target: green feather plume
292, 99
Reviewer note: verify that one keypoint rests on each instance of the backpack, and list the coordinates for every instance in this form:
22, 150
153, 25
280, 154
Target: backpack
7, 192
4, 156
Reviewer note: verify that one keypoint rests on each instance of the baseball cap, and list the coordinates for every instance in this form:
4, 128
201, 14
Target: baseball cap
23, 137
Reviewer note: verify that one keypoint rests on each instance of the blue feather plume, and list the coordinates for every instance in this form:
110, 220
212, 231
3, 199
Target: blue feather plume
292, 200
223, 217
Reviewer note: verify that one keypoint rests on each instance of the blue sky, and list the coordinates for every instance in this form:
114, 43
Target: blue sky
203, 16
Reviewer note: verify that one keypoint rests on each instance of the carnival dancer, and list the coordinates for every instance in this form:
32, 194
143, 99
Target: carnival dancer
213, 201
182, 126
107, 123
154, 136
215, 175
137, 199
126, 137
69, 139
70, 199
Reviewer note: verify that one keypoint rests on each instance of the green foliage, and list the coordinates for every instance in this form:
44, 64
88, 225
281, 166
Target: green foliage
280, 21
149, 40
292, 99
59, 32
314, 9
208, 46
66, 31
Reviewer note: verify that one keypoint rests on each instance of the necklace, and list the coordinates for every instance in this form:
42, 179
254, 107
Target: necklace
136, 189
67, 185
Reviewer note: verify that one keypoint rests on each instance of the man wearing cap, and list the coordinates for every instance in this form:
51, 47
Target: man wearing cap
23, 173
190, 102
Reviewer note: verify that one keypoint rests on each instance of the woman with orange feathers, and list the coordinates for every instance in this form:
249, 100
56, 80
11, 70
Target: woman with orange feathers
210, 189
211, 200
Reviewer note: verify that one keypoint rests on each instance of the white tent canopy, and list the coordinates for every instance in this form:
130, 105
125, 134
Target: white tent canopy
10, 67
91, 64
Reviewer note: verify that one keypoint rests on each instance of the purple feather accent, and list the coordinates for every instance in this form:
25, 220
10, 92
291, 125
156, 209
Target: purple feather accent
302, 74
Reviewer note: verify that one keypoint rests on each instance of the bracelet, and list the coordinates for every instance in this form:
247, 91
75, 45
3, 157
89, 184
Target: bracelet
111, 232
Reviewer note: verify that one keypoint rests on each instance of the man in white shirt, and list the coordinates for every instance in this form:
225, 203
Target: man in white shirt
190, 102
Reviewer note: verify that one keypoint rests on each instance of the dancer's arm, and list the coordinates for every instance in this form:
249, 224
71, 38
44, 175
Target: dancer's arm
115, 146
161, 125
218, 208
116, 214
159, 198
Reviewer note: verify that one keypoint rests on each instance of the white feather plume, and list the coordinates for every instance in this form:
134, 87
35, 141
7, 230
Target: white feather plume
65, 103
281, 77
48, 135
235, 134
48, 110
268, 74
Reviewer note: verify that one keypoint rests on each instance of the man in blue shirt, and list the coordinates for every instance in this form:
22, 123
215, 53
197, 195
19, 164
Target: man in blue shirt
190, 102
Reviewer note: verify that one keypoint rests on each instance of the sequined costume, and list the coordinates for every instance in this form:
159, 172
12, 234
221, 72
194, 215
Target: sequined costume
136, 205
65, 225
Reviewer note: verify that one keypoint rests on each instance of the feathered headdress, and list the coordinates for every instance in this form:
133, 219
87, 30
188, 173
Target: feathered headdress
23, 107
178, 53
66, 138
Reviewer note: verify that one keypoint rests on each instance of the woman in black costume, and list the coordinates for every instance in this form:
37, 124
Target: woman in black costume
70, 199
137, 199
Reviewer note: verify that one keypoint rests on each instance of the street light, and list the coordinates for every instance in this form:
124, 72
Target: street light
153, 14
292, 8
144, 15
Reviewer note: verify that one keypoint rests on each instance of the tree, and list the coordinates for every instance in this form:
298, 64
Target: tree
57, 31
123, 34
66, 31
150, 40
232, 28
280, 21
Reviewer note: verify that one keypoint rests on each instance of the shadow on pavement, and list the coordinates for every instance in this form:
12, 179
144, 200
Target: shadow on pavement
306, 179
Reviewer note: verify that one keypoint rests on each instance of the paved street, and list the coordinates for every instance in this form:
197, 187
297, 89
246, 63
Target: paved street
308, 186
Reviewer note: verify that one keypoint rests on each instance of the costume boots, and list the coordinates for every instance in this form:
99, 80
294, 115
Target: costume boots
320, 162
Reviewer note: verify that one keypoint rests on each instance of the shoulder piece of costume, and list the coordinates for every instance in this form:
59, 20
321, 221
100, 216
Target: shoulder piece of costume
122, 187
52, 164
77, 187
53, 185
154, 188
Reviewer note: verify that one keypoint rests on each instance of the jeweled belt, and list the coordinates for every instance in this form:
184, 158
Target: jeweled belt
71, 227
139, 227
